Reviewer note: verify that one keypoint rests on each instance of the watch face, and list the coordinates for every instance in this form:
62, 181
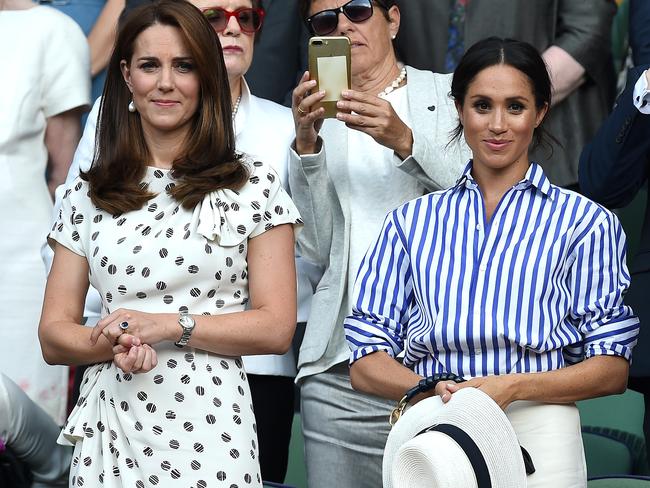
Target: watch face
186, 322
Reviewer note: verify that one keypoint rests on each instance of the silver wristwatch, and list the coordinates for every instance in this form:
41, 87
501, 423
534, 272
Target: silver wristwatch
186, 321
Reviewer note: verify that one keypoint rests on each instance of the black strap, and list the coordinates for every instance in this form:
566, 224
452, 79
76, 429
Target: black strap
528, 461
425, 384
473, 452
430, 382
470, 448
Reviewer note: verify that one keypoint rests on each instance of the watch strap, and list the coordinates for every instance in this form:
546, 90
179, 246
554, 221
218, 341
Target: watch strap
187, 331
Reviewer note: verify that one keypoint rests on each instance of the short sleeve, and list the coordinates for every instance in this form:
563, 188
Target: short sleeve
583, 29
65, 82
72, 225
279, 208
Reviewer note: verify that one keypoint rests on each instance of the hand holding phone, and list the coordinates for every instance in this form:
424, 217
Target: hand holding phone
307, 119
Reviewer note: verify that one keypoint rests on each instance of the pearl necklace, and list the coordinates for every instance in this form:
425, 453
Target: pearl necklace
235, 107
395, 84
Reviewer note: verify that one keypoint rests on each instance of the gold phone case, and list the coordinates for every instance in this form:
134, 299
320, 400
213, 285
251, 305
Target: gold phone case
329, 65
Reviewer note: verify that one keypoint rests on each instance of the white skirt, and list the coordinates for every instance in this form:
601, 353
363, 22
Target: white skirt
551, 434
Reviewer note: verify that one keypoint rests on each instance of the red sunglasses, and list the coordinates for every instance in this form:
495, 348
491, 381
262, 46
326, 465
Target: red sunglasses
249, 19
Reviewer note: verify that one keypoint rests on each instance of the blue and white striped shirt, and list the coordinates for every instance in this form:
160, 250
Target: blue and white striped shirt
538, 287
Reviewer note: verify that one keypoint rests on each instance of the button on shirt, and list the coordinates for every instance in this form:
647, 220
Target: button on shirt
538, 287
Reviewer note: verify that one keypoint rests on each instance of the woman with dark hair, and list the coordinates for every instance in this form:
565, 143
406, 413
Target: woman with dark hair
179, 234
387, 145
263, 130
503, 280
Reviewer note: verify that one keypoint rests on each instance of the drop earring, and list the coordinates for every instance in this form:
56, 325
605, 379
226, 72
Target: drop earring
131, 106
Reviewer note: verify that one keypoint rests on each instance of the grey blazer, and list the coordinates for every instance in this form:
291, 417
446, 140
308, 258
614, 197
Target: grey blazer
321, 201
580, 27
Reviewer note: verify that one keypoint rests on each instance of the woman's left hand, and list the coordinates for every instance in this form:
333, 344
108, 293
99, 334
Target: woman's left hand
376, 117
139, 324
499, 388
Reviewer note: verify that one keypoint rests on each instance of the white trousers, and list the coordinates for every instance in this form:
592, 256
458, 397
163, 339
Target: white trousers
551, 435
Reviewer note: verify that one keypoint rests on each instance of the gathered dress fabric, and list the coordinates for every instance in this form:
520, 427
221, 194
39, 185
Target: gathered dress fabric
188, 422
45, 73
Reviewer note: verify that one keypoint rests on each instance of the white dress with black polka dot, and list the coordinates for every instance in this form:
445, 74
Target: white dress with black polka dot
189, 422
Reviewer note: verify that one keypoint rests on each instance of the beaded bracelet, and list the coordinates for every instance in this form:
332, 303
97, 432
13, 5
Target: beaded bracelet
424, 385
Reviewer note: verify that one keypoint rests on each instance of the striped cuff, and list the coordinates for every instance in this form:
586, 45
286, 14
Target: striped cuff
608, 349
613, 339
364, 351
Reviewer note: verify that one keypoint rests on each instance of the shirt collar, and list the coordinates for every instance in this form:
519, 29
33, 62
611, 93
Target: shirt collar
242, 111
534, 177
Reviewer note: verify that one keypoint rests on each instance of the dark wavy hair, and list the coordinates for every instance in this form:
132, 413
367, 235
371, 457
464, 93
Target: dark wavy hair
207, 161
510, 52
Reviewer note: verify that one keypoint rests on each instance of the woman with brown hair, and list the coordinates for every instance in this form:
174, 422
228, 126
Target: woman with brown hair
263, 130
169, 223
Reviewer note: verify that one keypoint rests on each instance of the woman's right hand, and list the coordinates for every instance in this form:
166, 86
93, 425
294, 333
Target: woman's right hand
131, 356
307, 121
444, 390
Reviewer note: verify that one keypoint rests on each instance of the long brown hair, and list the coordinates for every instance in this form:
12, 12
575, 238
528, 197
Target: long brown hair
207, 160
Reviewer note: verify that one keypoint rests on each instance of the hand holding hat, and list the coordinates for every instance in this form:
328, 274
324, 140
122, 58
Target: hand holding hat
466, 442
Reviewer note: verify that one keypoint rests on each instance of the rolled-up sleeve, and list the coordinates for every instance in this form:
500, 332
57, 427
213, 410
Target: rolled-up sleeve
382, 297
600, 278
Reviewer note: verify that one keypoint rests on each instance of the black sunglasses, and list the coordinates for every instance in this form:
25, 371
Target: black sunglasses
325, 21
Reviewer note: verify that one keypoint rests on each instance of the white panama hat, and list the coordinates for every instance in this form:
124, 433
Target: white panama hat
471, 444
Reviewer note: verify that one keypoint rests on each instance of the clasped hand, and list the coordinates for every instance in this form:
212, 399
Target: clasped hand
499, 388
132, 351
